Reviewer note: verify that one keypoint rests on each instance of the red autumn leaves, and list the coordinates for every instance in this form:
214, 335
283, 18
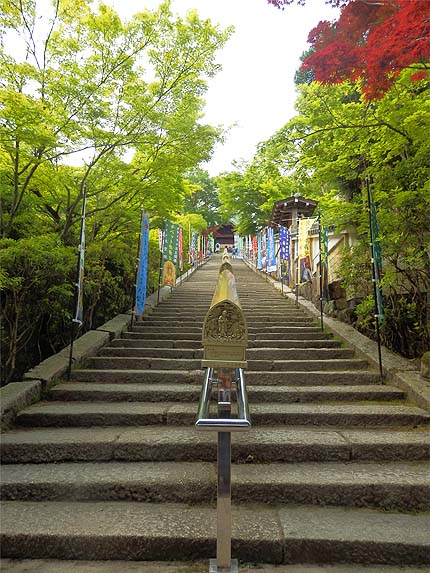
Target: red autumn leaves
373, 40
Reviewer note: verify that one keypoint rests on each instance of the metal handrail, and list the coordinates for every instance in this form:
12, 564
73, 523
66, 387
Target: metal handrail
224, 339
242, 422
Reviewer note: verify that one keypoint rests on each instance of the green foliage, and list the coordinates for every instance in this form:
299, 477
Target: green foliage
202, 197
122, 99
325, 152
36, 298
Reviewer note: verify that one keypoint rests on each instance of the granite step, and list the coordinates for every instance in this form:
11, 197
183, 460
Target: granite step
173, 328
251, 353
142, 363
80, 391
199, 566
142, 334
66, 414
114, 530
271, 377
260, 445
118, 351
151, 343
262, 344
401, 486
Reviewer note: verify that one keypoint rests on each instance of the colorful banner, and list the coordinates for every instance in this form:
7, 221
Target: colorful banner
259, 252
271, 254
211, 243
194, 246
324, 261
284, 243
377, 257
79, 316
285, 269
264, 248
171, 242
304, 226
236, 244
169, 274
160, 240
142, 271
180, 254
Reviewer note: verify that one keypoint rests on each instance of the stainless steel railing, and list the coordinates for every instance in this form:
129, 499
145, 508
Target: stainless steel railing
224, 341
226, 381
242, 422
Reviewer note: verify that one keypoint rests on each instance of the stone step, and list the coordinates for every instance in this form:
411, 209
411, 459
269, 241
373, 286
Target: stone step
280, 328
392, 486
163, 335
151, 343
136, 363
188, 353
195, 344
260, 445
256, 321
295, 334
175, 328
88, 414
166, 320
77, 391
251, 353
298, 353
293, 378
135, 530
149, 376
114, 362
199, 566
278, 332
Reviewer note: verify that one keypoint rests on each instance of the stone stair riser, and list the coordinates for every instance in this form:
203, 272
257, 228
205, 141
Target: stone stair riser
191, 393
132, 363
253, 377
198, 485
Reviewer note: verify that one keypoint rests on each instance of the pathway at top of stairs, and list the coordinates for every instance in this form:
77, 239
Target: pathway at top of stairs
335, 469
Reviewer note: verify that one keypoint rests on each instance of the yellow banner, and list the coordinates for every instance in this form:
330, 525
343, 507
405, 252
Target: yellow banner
304, 226
169, 274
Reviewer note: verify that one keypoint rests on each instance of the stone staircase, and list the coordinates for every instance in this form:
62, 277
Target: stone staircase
110, 467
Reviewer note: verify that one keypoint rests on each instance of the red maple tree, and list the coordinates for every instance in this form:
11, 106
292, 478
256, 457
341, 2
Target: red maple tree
373, 40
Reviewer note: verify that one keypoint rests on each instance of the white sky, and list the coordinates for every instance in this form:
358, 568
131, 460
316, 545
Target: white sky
254, 93
255, 89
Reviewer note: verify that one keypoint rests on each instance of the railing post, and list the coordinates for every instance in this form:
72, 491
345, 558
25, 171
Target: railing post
223, 559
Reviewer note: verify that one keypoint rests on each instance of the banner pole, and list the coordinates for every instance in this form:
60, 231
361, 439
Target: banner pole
320, 273
375, 296
78, 278
161, 265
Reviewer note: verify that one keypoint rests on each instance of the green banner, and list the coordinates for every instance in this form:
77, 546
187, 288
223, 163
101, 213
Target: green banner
171, 242
377, 257
324, 261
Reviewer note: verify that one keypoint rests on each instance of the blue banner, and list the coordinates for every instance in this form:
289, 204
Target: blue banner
142, 272
260, 252
271, 255
284, 240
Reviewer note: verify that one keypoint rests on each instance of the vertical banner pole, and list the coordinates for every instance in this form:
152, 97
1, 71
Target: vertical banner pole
320, 277
79, 282
136, 270
298, 263
375, 295
161, 264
